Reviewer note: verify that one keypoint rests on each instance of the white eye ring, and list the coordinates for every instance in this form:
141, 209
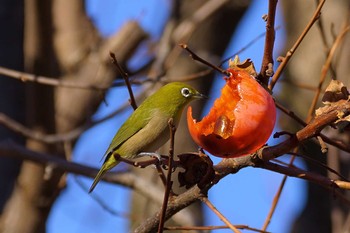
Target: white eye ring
186, 92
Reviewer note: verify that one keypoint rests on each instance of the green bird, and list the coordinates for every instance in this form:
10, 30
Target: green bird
147, 129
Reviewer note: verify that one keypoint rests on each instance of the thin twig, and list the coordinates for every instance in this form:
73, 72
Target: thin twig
307, 175
290, 53
126, 79
208, 71
198, 58
245, 47
278, 194
25, 77
206, 201
161, 175
266, 70
323, 145
324, 41
169, 182
274, 203
318, 163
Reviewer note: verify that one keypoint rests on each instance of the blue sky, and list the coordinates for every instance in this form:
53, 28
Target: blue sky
245, 198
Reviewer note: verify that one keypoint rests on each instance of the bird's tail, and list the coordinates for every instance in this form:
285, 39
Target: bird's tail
107, 165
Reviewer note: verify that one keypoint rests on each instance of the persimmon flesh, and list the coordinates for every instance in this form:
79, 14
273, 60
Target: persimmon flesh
240, 121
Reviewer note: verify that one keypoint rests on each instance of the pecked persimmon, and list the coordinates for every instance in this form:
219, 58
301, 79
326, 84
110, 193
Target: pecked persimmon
240, 121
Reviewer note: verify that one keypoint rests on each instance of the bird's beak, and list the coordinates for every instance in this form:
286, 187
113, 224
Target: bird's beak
199, 96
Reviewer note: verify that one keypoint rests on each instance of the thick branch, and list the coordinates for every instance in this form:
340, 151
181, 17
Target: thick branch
312, 129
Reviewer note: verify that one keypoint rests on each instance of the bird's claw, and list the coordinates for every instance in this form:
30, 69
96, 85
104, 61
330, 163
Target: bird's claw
156, 159
150, 154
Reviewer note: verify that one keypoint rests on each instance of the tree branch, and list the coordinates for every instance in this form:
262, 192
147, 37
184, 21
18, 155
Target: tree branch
311, 130
266, 70
290, 53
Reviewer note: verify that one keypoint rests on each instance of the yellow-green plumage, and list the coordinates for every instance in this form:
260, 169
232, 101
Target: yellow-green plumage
147, 128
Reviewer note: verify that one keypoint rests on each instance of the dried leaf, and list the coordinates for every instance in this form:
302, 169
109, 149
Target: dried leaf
246, 65
198, 170
335, 91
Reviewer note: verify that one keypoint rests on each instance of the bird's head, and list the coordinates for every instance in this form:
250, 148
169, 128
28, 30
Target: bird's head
180, 93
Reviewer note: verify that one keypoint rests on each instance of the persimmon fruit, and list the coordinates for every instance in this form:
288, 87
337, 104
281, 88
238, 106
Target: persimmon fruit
240, 121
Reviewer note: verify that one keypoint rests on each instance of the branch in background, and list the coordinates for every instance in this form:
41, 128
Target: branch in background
266, 70
206, 201
25, 77
290, 53
332, 185
60, 137
274, 203
95, 69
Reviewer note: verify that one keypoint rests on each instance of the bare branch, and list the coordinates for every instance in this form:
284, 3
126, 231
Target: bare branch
311, 130
24, 77
126, 79
290, 53
220, 215
267, 62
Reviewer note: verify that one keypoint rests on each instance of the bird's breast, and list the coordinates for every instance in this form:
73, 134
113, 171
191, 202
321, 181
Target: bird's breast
149, 139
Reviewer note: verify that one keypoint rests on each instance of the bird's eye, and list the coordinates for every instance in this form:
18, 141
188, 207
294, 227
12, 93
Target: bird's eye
185, 92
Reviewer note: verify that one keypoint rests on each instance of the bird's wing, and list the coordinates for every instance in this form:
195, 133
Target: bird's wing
130, 127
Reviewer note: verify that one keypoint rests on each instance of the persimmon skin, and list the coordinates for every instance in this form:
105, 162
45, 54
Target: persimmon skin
240, 121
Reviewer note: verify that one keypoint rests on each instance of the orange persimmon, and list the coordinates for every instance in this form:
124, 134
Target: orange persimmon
240, 121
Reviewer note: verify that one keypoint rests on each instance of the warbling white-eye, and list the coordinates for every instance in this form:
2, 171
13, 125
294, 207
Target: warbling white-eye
147, 128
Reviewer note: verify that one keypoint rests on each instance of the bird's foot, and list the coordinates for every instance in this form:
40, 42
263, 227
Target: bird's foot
150, 154
156, 159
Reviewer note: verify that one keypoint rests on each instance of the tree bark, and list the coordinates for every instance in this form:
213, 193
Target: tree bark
11, 91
